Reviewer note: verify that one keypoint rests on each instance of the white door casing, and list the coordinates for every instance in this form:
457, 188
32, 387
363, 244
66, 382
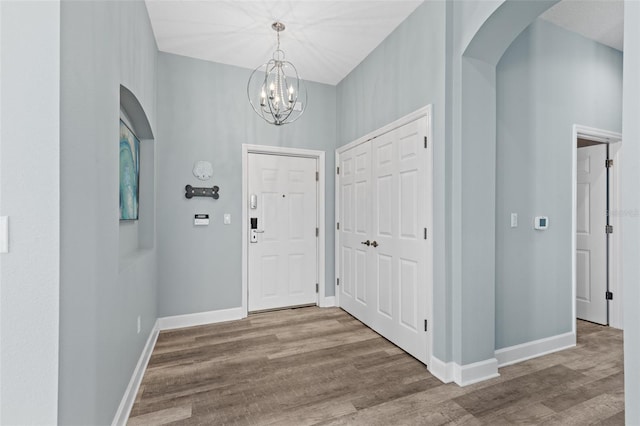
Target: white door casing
384, 196
591, 238
282, 264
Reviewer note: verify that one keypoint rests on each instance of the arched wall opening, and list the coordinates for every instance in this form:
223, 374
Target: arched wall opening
473, 165
474, 186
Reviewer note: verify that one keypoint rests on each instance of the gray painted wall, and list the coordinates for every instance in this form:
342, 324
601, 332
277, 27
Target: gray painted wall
630, 202
404, 73
103, 45
29, 195
203, 114
548, 80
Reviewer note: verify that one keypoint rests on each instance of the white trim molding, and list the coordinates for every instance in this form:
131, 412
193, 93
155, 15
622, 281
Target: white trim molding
441, 370
200, 318
463, 375
425, 111
529, 350
126, 404
469, 374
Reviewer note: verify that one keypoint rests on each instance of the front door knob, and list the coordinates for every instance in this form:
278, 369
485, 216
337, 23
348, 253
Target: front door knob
366, 243
375, 244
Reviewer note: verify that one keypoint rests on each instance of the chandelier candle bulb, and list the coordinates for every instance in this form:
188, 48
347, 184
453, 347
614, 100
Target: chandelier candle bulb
286, 98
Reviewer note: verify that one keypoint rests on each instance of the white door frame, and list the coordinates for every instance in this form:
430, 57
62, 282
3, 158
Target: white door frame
613, 139
425, 111
288, 152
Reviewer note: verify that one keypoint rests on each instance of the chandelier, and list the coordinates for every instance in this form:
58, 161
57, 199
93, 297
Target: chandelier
275, 90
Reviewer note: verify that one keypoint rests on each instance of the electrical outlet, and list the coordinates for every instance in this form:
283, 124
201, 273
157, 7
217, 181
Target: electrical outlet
139, 324
514, 220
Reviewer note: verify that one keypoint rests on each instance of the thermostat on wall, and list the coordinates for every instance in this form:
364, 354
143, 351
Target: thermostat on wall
201, 219
541, 222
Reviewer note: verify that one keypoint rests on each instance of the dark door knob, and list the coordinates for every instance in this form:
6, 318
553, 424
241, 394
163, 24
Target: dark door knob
375, 244
366, 243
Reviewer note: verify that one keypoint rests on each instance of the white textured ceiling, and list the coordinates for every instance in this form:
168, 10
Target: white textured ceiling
599, 20
324, 39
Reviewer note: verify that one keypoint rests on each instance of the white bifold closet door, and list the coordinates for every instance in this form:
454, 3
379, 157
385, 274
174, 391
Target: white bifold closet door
385, 247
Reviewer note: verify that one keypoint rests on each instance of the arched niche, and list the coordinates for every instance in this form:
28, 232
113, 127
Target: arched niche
137, 237
134, 110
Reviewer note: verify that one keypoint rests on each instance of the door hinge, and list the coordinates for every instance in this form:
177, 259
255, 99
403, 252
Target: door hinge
337, 170
608, 229
425, 325
338, 226
317, 287
317, 176
608, 295
608, 163
317, 232
425, 233
425, 141
337, 281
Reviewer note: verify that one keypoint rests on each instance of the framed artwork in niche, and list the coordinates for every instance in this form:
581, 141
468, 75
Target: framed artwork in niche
129, 173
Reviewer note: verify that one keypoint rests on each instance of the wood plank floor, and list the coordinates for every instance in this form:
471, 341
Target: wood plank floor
321, 366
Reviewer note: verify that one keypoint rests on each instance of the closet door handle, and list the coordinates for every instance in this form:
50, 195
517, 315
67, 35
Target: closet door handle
366, 243
375, 244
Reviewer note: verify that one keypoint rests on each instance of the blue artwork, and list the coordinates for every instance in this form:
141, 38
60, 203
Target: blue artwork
129, 173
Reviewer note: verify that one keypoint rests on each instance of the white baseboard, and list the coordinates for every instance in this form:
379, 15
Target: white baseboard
200, 318
442, 371
327, 302
124, 409
525, 351
469, 374
463, 375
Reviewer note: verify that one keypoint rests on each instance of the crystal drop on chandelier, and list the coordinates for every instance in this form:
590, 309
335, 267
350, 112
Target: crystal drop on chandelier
275, 90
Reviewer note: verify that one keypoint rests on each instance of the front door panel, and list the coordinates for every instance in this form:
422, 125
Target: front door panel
283, 260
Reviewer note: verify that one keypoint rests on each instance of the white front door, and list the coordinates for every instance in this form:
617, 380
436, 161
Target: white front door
283, 257
591, 237
385, 213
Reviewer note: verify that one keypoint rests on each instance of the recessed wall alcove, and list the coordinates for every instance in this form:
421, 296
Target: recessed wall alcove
138, 236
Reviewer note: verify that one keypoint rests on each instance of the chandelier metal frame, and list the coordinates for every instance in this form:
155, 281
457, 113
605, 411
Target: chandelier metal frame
275, 91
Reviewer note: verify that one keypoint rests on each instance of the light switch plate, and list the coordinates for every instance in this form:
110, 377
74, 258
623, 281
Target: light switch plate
227, 219
4, 234
514, 220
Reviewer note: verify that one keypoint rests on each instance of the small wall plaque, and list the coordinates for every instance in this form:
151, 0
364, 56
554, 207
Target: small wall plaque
191, 191
202, 170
